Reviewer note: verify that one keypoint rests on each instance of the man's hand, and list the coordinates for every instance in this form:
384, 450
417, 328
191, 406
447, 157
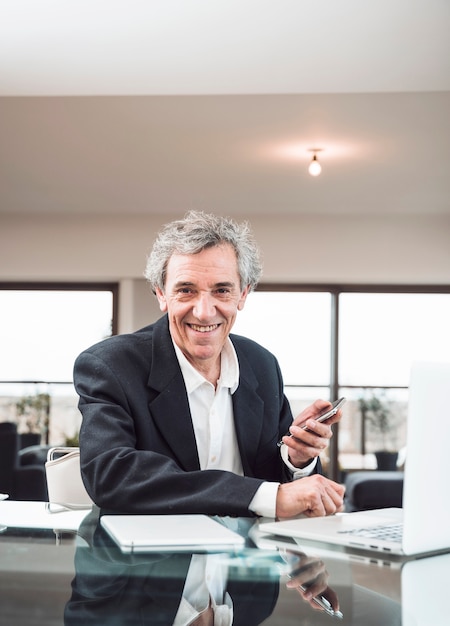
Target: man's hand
310, 578
312, 496
305, 445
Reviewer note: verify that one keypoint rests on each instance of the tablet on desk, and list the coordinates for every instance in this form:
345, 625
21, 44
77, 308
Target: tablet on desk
171, 533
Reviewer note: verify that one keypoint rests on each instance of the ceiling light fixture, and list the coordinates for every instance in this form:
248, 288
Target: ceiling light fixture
314, 167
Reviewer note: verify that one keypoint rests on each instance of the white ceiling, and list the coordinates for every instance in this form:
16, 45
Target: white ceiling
157, 106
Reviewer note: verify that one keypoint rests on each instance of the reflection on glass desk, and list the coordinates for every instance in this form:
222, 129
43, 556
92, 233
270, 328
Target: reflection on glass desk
80, 577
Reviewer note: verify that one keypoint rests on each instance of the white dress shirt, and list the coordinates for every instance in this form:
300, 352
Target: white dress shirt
212, 417
205, 585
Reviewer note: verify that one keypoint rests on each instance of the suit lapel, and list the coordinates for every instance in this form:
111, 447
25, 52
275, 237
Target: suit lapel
169, 404
248, 409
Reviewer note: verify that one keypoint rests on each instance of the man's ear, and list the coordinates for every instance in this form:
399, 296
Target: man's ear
161, 299
243, 298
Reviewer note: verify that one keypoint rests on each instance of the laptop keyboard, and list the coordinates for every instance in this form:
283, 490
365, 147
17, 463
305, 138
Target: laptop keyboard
390, 532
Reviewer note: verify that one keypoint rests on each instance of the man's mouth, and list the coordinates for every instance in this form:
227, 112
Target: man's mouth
204, 329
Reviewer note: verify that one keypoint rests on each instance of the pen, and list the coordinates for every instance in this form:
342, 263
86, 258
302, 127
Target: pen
280, 443
289, 434
324, 604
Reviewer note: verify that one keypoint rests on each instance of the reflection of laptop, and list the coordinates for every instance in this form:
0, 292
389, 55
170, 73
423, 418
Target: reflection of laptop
170, 533
424, 519
424, 591
326, 551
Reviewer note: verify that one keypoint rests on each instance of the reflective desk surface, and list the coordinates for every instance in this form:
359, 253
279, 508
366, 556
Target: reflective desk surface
78, 576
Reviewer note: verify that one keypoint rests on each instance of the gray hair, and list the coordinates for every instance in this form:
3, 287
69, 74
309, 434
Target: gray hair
197, 231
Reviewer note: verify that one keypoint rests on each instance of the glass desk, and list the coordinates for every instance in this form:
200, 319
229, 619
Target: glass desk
80, 577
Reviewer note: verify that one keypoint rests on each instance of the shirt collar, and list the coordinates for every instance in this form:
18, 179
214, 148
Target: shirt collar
229, 369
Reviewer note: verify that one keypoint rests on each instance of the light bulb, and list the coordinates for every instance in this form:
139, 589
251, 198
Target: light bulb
314, 167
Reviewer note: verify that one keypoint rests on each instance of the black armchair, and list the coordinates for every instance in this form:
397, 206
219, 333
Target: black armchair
373, 490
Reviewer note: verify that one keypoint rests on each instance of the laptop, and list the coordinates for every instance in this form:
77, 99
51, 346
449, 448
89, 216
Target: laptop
170, 533
422, 526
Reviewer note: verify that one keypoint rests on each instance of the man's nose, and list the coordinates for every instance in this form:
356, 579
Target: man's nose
204, 306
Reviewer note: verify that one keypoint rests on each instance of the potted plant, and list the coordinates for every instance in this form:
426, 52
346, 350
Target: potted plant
33, 416
72, 441
381, 421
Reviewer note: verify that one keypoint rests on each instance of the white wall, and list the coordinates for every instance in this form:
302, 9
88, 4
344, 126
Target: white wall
303, 249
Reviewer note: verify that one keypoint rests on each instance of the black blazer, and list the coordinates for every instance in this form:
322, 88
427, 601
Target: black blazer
138, 449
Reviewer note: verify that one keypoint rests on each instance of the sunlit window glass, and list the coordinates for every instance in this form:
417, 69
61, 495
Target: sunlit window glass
42, 332
382, 334
295, 326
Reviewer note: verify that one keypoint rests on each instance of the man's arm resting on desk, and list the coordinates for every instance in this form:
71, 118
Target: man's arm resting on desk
264, 502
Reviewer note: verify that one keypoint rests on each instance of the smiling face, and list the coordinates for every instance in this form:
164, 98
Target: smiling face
202, 296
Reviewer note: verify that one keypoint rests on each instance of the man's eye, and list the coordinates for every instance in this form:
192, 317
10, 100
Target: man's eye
184, 290
223, 291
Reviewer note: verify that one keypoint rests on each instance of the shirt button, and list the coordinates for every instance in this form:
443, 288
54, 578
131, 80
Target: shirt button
213, 458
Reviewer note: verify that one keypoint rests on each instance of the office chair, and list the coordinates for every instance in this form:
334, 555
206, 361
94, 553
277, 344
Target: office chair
64, 483
19, 479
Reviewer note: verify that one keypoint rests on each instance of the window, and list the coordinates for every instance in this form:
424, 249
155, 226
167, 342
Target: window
295, 327
381, 334
42, 331
290, 324
355, 341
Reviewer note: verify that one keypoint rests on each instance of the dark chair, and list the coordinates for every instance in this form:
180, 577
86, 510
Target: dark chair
373, 490
8, 456
20, 482
8, 427
33, 455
